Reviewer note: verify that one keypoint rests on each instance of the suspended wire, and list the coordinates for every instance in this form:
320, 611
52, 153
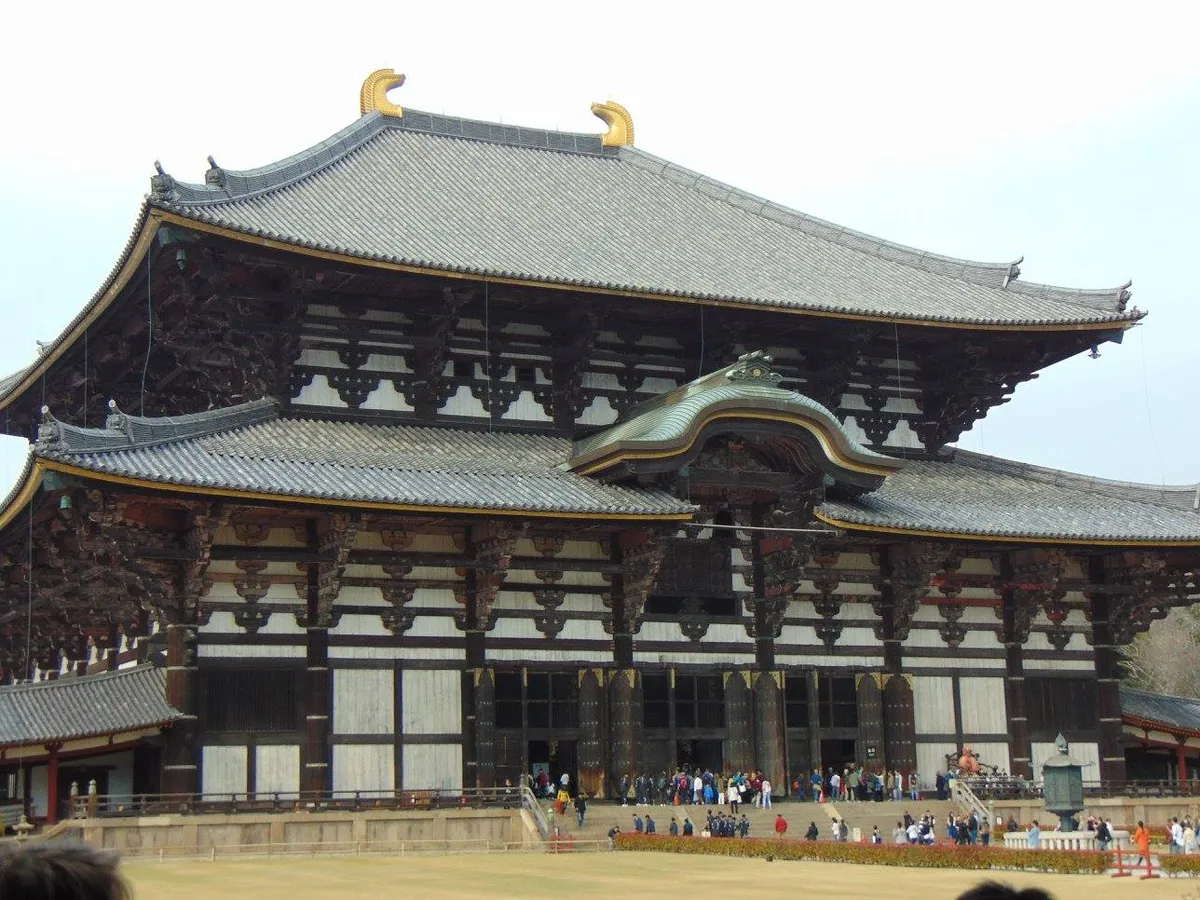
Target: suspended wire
149, 340
25, 798
85, 375
700, 365
899, 389
1162, 478
487, 350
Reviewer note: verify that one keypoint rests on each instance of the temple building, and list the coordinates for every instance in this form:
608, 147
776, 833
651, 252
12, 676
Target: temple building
446, 450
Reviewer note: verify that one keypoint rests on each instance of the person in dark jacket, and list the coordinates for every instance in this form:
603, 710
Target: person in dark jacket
580, 808
813, 833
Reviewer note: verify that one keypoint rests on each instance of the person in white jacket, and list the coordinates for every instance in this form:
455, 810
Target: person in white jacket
765, 797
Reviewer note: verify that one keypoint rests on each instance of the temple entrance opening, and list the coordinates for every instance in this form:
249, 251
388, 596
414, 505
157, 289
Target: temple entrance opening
702, 754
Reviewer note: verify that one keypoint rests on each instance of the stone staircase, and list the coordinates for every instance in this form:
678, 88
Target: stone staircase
866, 816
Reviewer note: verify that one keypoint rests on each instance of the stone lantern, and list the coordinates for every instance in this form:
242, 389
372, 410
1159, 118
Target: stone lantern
1062, 785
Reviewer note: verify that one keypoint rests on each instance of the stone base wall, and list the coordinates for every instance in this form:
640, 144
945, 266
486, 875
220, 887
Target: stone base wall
1121, 810
317, 832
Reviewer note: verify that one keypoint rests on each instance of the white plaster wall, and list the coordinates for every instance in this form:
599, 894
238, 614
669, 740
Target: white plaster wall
223, 770
363, 701
711, 659
983, 706
432, 701
39, 790
363, 767
251, 651
526, 409
599, 412
277, 768
396, 652
432, 766
993, 754
931, 759
463, 403
319, 393
933, 704
1086, 753
952, 662
386, 397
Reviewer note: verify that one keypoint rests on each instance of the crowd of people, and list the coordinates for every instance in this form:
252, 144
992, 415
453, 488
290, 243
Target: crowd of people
857, 783
694, 787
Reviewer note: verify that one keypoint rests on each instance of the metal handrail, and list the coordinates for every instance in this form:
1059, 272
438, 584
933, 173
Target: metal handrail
530, 802
961, 792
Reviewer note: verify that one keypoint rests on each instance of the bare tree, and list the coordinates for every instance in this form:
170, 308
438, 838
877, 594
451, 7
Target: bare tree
1166, 659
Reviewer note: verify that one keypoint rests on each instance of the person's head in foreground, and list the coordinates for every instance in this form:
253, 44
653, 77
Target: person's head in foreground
60, 871
994, 890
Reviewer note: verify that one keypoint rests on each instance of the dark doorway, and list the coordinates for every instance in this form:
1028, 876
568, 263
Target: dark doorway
558, 757
836, 754
702, 754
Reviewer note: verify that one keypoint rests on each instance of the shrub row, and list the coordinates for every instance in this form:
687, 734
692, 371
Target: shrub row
1177, 864
941, 856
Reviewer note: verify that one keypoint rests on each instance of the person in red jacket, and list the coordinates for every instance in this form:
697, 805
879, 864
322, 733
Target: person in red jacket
780, 826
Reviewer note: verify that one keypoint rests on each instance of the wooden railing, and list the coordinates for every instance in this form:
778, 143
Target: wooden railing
1011, 787
110, 805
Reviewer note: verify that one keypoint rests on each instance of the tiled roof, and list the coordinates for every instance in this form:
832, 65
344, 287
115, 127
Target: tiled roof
71, 708
1176, 712
981, 495
491, 200
248, 448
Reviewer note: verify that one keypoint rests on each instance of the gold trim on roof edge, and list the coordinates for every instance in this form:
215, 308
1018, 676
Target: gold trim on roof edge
372, 97
619, 122
300, 500
1000, 538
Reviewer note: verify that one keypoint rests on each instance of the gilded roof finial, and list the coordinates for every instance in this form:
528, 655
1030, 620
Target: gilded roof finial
373, 96
619, 122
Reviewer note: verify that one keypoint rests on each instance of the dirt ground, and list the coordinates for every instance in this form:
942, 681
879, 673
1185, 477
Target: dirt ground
622, 875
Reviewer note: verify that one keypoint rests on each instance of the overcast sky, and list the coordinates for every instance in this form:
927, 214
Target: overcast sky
1063, 133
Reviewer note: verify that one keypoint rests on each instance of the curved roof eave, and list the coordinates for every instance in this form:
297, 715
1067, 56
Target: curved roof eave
130, 259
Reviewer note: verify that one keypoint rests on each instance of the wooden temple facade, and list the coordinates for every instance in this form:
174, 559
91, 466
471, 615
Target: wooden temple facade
446, 449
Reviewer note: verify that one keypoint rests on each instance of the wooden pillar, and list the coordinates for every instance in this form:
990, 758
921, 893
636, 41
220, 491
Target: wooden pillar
1108, 678
1014, 631
52, 783
181, 755
484, 708
899, 723
814, 723
625, 713
870, 720
739, 722
591, 732
770, 735
1183, 773
315, 774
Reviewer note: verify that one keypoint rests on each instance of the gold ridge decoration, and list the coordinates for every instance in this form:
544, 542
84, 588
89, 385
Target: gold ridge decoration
373, 95
619, 122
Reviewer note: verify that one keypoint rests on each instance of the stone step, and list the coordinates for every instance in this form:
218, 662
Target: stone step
603, 816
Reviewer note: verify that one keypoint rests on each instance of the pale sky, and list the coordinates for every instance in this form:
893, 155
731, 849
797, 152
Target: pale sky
1065, 133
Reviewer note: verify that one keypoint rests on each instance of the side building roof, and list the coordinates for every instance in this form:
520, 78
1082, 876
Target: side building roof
1175, 713
90, 706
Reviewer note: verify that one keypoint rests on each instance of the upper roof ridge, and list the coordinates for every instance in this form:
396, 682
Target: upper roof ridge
223, 185
122, 431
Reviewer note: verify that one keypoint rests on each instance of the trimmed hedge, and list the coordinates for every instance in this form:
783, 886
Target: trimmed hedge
939, 856
1178, 864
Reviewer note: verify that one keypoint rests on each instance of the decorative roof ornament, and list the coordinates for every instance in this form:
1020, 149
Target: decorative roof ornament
162, 185
215, 174
116, 420
50, 435
755, 367
619, 122
373, 95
